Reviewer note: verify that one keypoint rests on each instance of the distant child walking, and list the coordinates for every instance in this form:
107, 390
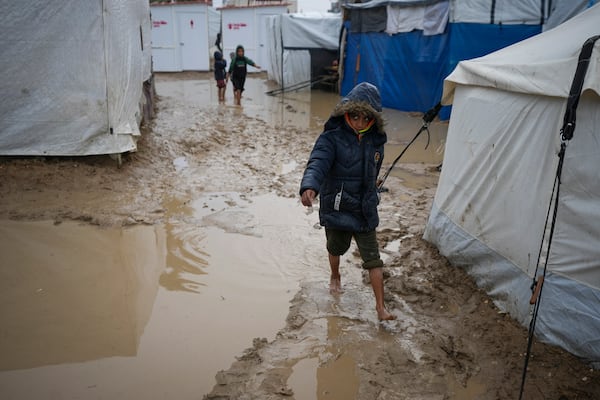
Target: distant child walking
220, 68
237, 71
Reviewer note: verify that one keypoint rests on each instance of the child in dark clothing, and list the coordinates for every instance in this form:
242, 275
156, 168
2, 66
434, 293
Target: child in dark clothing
220, 74
342, 170
238, 71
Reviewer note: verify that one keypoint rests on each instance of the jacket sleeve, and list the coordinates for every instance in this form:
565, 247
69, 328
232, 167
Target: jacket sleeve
318, 165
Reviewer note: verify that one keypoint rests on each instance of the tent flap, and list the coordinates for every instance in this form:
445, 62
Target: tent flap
295, 44
76, 76
431, 19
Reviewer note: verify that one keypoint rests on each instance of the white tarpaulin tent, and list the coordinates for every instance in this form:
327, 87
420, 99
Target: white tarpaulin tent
496, 184
292, 38
74, 72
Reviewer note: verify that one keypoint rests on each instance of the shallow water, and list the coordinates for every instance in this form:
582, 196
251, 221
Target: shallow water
147, 312
303, 108
334, 378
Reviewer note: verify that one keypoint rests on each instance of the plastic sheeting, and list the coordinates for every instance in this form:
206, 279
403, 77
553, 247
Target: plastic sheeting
431, 19
530, 12
563, 10
496, 183
311, 31
409, 68
76, 73
293, 37
384, 3
469, 41
402, 66
368, 20
527, 67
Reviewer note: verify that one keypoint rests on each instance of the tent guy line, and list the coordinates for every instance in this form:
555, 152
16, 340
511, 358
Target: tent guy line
566, 133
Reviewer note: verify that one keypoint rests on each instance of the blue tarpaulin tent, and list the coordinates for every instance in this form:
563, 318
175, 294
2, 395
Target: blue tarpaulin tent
408, 47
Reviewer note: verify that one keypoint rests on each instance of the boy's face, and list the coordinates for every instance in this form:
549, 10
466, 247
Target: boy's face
240, 52
359, 121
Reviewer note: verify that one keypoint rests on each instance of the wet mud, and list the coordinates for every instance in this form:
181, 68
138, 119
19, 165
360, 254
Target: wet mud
194, 272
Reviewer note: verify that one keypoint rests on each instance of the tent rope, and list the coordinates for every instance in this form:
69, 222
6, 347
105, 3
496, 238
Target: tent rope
427, 118
566, 134
296, 86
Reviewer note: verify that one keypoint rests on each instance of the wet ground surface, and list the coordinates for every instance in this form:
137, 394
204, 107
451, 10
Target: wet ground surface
103, 310
172, 277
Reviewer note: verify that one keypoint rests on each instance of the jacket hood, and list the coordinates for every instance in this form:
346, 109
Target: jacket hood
364, 98
218, 55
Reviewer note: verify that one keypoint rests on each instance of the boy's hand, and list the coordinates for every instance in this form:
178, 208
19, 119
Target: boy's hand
308, 196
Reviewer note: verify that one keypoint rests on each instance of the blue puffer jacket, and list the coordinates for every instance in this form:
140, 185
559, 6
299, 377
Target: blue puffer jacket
340, 162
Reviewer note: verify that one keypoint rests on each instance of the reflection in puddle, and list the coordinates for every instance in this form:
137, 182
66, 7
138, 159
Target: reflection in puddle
337, 378
69, 293
334, 376
415, 180
148, 312
303, 380
401, 128
186, 258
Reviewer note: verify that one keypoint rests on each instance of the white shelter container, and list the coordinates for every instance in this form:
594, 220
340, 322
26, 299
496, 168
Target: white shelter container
180, 36
74, 76
248, 26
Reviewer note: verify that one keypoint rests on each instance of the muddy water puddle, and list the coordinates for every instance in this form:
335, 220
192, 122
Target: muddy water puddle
401, 128
310, 109
148, 312
331, 376
303, 108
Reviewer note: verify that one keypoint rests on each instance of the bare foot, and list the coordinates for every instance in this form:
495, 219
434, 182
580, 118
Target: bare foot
335, 286
384, 315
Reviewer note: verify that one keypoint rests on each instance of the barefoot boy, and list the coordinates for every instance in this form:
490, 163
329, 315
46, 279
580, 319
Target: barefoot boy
343, 169
237, 71
220, 75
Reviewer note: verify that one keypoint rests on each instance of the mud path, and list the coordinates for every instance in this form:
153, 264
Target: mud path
230, 169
